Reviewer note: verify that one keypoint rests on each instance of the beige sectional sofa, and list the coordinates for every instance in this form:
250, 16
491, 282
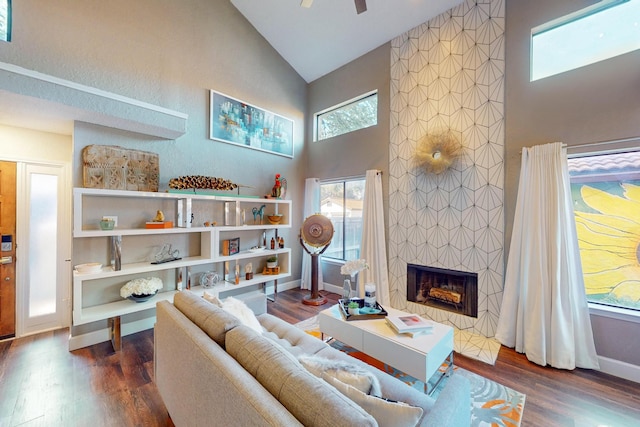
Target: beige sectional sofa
213, 370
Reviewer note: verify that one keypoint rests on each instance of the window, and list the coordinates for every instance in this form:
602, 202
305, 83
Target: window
606, 195
355, 114
604, 30
5, 20
342, 202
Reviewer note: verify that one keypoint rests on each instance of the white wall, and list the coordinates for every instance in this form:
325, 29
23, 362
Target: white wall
19, 144
170, 54
599, 102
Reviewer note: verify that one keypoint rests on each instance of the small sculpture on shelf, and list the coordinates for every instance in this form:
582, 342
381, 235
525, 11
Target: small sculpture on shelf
258, 212
276, 191
201, 182
166, 254
279, 188
159, 222
209, 279
159, 216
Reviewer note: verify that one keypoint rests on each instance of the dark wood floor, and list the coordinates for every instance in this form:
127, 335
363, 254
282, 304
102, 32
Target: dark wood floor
43, 384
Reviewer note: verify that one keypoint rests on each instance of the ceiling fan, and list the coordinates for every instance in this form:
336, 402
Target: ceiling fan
361, 5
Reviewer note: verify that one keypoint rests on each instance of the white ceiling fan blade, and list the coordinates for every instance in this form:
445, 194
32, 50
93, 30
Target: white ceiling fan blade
306, 3
361, 6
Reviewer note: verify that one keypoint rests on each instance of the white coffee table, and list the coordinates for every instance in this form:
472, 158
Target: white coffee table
420, 357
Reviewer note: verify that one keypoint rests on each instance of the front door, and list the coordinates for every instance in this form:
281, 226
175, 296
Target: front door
8, 249
44, 279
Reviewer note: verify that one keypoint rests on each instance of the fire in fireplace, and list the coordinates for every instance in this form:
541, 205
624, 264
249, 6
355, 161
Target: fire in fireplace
450, 290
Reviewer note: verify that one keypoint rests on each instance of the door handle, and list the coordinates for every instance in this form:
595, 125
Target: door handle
6, 260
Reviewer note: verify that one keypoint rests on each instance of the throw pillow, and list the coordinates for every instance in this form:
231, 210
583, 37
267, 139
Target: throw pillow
309, 398
348, 373
213, 320
386, 413
239, 309
212, 299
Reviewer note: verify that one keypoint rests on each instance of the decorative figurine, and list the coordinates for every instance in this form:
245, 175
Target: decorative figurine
159, 217
166, 254
276, 191
248, 270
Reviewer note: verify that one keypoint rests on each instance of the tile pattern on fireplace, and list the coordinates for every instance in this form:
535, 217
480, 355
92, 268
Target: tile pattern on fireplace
476, 346
449, 74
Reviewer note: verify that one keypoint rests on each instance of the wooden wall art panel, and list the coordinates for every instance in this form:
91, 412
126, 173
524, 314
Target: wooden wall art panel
116, 168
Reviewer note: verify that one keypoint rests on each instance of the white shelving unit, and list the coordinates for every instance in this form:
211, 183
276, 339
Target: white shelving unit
189, 211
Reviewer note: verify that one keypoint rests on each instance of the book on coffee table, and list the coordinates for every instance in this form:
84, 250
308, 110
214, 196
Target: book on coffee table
418, 333
410, 324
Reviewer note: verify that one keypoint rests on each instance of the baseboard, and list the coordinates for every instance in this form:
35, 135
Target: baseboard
102, 335
620, 369
332, 288
283, 286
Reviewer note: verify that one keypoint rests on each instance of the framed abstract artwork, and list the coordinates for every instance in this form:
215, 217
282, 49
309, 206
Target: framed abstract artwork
237, 122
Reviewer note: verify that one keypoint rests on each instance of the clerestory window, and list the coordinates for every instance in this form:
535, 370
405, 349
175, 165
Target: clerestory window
5, 20
599, 32
349, 116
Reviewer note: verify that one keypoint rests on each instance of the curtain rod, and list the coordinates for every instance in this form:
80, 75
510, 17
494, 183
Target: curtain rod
347, 178
563, 146
598, 143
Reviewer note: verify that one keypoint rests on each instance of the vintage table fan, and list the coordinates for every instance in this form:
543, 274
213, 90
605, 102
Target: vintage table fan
317, 232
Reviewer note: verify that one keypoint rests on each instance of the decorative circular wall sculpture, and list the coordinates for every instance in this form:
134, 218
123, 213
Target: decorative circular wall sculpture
437, 152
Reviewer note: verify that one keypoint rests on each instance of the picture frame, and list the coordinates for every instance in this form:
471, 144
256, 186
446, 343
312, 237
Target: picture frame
239, 123
230, 246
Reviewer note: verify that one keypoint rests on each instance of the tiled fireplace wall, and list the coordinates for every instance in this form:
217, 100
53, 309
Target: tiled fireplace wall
449, 74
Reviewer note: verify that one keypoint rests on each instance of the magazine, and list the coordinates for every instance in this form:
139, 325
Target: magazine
409, 323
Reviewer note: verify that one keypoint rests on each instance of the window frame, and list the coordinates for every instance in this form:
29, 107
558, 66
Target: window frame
8, 22
344, 182
589, 57
601, 308
317, 115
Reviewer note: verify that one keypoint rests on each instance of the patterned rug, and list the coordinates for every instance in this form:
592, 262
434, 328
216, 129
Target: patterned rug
492, 404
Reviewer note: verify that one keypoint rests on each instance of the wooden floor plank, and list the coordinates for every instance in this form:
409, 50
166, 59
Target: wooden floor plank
43, 384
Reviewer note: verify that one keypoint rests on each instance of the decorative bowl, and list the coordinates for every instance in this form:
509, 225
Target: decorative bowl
107, 224
275, 218
141, 298
91, 267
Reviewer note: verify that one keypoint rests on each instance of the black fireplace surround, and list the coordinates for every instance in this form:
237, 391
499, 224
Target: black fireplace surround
450, 290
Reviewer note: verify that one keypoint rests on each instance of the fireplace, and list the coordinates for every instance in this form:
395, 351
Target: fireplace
450, 290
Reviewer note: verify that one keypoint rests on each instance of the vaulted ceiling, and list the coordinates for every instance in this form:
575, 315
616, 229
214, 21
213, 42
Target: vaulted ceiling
318, 39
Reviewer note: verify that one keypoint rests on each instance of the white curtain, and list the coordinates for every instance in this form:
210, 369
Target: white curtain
373, 246
311, 207
544, 311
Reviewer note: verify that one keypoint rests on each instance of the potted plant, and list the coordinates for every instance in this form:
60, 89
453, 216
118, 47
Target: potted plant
272, 262
353, 307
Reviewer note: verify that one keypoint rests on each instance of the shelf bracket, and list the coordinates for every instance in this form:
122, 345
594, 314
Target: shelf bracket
183, 213
114, 333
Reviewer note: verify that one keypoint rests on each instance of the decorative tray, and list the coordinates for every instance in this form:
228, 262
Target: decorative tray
377, 313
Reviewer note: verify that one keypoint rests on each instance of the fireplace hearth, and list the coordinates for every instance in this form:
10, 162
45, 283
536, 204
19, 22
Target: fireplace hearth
450, 290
